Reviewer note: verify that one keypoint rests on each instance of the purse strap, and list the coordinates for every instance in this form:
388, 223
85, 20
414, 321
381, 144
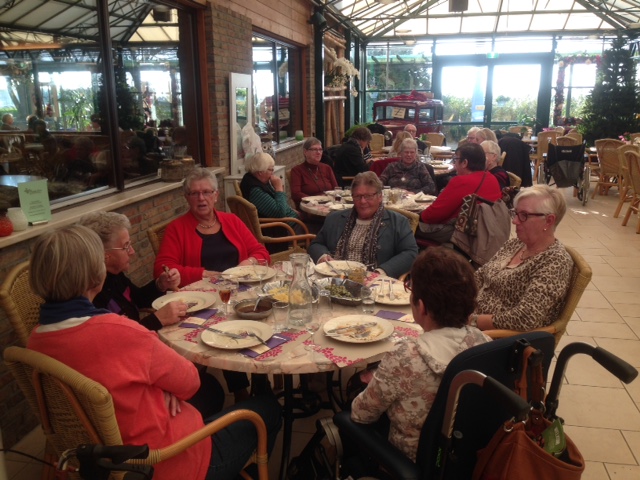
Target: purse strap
531, 372
480, 184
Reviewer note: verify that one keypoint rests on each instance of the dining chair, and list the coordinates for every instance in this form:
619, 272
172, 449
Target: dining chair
503, 155
580, 278
544, 139
248, 213
20, 303
567, 141
236, 187
75, 410
633, 165
414, 218
436, 139
514, 180
575, 135
608, 170
377, 142
633, 136
625, 184
155, 234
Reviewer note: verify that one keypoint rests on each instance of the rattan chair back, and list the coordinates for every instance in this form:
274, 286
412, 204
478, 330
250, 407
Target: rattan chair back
436, 139
21, 305
156, 234
414, 218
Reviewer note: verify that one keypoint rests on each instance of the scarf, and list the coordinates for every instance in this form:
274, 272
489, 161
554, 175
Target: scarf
249, 182
370, 250
54, 312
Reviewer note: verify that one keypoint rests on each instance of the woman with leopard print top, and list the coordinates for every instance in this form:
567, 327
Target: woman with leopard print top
524, 285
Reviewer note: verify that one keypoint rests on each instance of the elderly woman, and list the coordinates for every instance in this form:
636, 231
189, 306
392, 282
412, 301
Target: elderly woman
311, 177
492, 153
349, 158
121, 296
437, 221
524, 285
408, 173
204, 241
405, 383
367, 233
478, 135
397, 142
148, 381
264, 189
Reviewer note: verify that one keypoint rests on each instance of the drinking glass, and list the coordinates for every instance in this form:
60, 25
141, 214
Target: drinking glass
226, 288
368, 301
261, 268
337, 195
280, 316
281, 271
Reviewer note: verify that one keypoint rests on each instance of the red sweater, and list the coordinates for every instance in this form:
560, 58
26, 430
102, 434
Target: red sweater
182, 246
447, 205
136, 368
306, 180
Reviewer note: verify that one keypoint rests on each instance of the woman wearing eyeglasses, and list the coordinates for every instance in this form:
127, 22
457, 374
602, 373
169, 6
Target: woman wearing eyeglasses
205, 241
311, 177
408, 173
367, 233
524, 285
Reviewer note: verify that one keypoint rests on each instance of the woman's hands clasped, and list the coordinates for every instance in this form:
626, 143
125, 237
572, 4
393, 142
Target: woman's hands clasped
168, 280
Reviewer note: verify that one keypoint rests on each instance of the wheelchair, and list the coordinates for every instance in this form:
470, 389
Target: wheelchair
567, 166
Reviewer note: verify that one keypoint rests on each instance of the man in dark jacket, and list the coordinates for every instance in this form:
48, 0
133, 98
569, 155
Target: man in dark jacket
349, 159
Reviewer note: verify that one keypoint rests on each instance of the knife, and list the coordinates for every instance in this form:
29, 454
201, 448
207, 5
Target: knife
351, 327
235, 336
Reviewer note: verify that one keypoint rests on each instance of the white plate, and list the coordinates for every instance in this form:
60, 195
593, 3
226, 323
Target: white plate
264, 331
442, 167
339, 206
317, 199
340, 265
201, 300
400, 296
247, 274
381, 330
424, 198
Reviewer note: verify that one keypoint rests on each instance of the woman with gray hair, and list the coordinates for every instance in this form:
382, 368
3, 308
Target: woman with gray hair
367, 233
311, 177
492, 153
119, 294
408, 173
524, 285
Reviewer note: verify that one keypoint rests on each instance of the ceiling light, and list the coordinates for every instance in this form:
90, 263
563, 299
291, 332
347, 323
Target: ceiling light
387, 2
409, 42
402, 31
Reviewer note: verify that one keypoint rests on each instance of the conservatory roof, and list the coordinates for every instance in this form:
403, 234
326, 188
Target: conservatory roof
384, 19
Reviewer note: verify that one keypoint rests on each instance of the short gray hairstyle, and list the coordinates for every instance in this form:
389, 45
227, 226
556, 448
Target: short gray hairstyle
199, 173
408, 143
492, 147
105, 224
55, 272
310, 142
260, 162
551, 199
367, 179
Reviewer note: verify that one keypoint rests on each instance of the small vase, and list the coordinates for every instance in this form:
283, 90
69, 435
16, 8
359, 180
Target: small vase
18, 218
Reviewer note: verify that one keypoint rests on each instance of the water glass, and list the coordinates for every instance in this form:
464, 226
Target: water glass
368, 302
337, 195
280, 315
324, 307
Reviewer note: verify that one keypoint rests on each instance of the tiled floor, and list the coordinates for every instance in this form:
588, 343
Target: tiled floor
601, 414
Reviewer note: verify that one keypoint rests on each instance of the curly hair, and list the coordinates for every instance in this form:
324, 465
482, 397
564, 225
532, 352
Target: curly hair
445, 283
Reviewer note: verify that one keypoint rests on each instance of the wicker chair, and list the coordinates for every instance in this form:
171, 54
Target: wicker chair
580, 278
436, 139
633, 165
567, 141
625, 184
21, 305
575, 135
236, 187
76, 410
514, 180
414, 218
248, 213
156, 234
609, 170
377, 142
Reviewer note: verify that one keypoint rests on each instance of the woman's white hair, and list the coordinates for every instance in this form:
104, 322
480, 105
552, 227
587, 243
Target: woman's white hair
260, 162
551, 200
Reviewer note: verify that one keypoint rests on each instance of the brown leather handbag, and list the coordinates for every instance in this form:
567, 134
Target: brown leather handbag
515, 450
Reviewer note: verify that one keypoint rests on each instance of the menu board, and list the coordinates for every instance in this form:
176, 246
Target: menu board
34, 201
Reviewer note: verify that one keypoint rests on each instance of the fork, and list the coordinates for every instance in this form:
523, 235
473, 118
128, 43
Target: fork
392, 296
250, 334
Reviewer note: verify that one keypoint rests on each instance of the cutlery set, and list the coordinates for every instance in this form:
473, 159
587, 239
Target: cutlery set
236, 336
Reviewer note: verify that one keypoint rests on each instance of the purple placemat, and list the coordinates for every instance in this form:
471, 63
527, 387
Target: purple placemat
389, 315
273, 342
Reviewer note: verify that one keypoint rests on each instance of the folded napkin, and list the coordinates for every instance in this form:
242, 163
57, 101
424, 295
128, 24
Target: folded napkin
389, 315
199, 319
259, 349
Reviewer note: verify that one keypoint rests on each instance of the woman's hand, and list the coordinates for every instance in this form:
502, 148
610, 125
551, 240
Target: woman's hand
248, 261
276, 183
173, 403
210, 274
325, 258
168, 280
171, 313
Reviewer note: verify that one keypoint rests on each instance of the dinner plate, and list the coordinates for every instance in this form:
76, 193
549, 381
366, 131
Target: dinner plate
424, 198
317, 199
441, 167
339, 206
247, 274
198, 300
400, 297
382, 328
340, 265
239, 327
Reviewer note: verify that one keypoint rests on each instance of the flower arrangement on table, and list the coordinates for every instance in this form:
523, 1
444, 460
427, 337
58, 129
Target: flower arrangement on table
341, 73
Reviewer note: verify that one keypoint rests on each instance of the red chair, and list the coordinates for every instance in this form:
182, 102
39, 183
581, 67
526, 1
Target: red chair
378, 166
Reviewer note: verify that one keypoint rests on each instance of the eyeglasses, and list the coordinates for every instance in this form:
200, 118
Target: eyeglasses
524, 216
408, 284
314, 149
367, 197
455, 160
204, 193
127, 247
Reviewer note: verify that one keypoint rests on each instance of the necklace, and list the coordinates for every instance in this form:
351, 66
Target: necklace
206, 227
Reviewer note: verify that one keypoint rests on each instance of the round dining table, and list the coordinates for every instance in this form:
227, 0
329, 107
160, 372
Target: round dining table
323, 205
304, 350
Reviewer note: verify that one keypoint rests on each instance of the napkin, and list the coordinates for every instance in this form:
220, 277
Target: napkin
259, 349
389, 315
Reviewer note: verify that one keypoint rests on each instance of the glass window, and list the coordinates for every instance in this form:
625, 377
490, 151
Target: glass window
54, 87
276, 75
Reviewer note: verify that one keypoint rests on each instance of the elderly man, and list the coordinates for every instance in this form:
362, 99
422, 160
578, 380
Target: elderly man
413, 130
7, 122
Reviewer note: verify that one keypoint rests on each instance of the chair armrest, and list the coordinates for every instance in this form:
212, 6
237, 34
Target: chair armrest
304, 238
288, 220
366, 438
504, 333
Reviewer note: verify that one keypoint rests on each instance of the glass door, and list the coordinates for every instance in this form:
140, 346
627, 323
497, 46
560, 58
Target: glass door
514, 95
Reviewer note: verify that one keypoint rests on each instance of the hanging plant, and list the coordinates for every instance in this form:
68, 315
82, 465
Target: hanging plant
342, 72
563, 63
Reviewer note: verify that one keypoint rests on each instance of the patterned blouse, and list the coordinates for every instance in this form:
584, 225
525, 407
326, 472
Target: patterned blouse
406, 382
414, 177
529, 295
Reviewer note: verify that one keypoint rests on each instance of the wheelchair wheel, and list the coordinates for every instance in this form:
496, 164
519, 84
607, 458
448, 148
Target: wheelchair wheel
586, 183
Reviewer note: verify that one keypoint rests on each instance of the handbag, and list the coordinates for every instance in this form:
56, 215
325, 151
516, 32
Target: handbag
515, 450
467, 221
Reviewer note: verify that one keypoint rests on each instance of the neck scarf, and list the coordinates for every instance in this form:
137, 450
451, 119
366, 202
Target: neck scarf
54, 312
249, 182
370, 249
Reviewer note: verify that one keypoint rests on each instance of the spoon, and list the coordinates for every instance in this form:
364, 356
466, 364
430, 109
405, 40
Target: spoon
260, 297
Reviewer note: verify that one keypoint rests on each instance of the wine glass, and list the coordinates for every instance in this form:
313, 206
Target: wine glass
225, 291
261, 268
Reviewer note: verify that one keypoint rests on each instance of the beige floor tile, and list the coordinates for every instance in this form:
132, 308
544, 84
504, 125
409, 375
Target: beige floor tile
601, 445
603, 269
595, 253
596, 407
627, 310
633, 439
623, 297
628, 272
616, 284
602, 315
634, 324
601, 330
584, 370
594, 471
622, 472
593, 299
633, 389
628, 350
623, 262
